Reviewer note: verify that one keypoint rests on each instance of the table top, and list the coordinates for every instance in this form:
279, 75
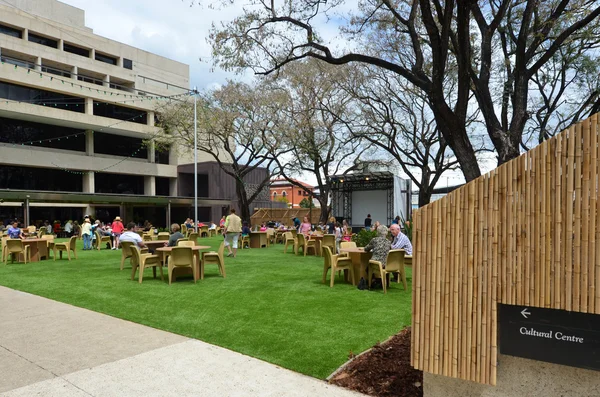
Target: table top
33, 240
156, 242
265, 232
357, 250
194, 248
316, 236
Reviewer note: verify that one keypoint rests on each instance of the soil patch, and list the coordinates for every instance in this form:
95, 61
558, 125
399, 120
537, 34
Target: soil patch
384, 371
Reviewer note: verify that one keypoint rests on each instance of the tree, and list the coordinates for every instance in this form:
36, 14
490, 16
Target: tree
306, 203
311, 128
492, 48
234, 123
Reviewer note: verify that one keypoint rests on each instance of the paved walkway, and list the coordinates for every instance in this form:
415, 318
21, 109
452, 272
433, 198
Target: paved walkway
49, 348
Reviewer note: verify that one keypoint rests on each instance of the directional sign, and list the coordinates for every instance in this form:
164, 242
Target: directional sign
555, 336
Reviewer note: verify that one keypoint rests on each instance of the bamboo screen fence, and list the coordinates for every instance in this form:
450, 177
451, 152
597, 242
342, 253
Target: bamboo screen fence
523, 234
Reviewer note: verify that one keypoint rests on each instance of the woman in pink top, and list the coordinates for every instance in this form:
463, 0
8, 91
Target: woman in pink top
305, 227
117, 228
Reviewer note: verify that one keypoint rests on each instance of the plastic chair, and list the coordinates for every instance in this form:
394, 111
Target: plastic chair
182, 242
49, 242
70, 246
394, 264
329, 241
126, 252
4, 250
213, 257
182, 257
302, 242
147, 237
288, 239
142, 261
347, 244
204, 231
270, 236
14, 247
245, 241
335, 263
163, 236
102, 240
193, 237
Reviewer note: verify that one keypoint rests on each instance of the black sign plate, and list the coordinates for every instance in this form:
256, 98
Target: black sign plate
554, 336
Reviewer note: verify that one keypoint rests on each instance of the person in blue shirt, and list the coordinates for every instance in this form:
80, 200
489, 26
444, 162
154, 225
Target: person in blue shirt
14, 232
245, 230
296, 223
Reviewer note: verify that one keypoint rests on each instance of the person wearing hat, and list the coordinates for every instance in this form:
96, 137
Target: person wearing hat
117, 228
86, 233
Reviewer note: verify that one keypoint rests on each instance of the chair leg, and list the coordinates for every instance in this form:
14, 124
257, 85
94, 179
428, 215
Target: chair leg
202, 269
332, 278
162, 278
194, 269
325, 269
122, 262
222, 267
383, 279
351, 271
170, 274
369, 276
154, 271
69, 254
133, 269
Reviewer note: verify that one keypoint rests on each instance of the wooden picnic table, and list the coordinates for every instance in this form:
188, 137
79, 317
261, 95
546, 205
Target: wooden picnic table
258, 239
360, 261
38, 248
318, 238
154, 244
164, 252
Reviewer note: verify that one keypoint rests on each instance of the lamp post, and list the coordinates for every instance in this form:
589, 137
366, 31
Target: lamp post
195, 160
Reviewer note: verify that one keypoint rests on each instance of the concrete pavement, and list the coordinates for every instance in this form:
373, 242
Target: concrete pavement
49, 348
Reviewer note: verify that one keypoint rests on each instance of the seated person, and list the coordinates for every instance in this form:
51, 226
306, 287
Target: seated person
131, 236
400, 241
213, 226
263, 228
175, 236
14, 232
189, 223
245, 230
380, 246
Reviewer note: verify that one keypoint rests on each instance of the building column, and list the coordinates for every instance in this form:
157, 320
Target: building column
120, 62
93, 53
38, 64
61, 45
152, 152
149, 186
89, 182
173, 187
74, 72
26, 34
169, 214
150, 119
89, 106
26, 221
89, 142
106, 80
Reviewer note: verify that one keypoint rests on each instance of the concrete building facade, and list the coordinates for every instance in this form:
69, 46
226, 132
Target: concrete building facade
77, 116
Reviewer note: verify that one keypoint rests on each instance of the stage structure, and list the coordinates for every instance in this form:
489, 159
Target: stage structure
381, 194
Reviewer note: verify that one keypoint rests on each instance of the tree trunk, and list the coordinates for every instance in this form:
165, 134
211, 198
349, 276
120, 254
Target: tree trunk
243, 201
425, 195
324, 210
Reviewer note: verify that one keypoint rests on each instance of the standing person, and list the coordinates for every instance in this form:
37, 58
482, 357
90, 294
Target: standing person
117, 228
13, 231
347, 231
368, 222
305, 226
76, 229
296, 224
86, 233
399, 240
233, 228
331, 226
396, 220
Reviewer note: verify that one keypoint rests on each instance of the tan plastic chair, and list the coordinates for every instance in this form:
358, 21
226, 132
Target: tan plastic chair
31, 229
126, 252
270, 236
212, 232
302, 242
68, 247
183, 229
147, 237
49, 242
213, 257
193, 237
288, 239
245, 241
294, 233
335, 263
14, 247
329, 241
163, 236
182, 242
4, 250
394, 264
182, 257
347, 244
142, 261
102, 240
204, 231
181, 239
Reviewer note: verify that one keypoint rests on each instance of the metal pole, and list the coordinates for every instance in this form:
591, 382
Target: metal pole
195, 160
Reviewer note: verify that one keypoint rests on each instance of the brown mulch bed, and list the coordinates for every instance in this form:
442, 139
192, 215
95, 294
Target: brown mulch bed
384, 371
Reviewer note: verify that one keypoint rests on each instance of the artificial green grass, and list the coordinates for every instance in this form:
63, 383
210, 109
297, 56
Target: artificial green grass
272, 305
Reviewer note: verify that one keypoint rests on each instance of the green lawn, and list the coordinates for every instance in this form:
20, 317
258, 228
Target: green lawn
271, 306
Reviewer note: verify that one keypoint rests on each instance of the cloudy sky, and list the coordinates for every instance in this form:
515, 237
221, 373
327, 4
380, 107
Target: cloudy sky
170, 28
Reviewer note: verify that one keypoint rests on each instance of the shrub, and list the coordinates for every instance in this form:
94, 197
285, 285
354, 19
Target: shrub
363, 237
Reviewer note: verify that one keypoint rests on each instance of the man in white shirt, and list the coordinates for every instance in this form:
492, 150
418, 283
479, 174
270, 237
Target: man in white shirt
400, 241
131, 236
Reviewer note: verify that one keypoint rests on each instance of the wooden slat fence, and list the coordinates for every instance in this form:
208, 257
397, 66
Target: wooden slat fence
523, 234
283, 215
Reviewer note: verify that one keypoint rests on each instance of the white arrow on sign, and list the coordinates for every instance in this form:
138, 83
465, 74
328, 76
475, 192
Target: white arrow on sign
525, 313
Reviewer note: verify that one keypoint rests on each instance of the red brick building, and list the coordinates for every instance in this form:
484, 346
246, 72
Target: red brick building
294, 194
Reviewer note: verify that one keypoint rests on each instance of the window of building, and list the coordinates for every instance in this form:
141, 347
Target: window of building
122, 146
162, 186
18, 62
89, 79
127, 63
34, 38
56, 71
7, 30
299, 192
274, 195
34, 96
41, 135
119, 183
106, 58
76, 50
161, 156
120, 112
284, 193
44, 179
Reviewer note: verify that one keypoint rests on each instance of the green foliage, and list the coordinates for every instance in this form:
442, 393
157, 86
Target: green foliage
282, 199
272, 306
407, 226
363, 237
306, 203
